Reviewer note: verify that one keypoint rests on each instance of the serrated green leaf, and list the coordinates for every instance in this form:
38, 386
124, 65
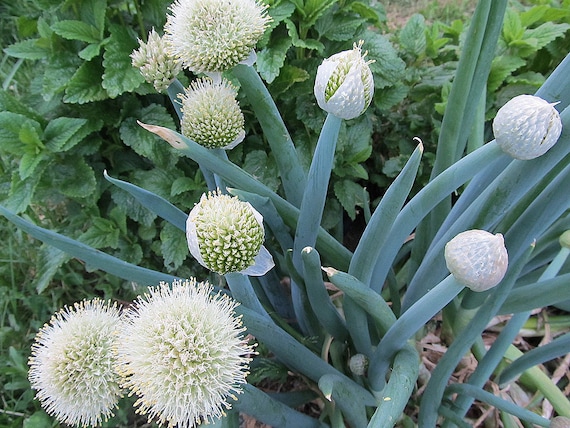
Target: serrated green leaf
350, 195
132, 208
288, 76
21, 192
145, 143
29, 163
120, 76
512, 26
413, 35
174, 247
502, 67
271, 58
10, 127
39, 419
58, 73
302, 43
263, 168
86, 84
9, 103
93, 13
389, 97
183, 184
357, 147
376, 15
76, 30
102, 233
90, 51
314, 9
388, 68
62, 133
338, 27
74, 178
544, 34
27, 49
50, 259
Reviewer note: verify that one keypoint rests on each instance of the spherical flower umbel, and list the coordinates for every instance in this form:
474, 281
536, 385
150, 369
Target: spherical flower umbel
344, 85
526, 127
154, 62
182, 353
226, 235
477, 259
211, 115
72, 364
211, 36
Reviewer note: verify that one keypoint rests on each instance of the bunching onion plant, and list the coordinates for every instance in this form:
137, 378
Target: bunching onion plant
486, 236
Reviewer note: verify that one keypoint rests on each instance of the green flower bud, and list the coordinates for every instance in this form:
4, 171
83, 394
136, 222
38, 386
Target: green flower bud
226, 235
215, 35
72, 365
154, 62
211, 115
565, 239
526, 127
344, 85
477, 259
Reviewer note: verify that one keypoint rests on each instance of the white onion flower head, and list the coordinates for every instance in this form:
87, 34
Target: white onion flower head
72, 364
344, 85
211, 115
211, 36
226, 235
181, 351
526, 127
154, 62
477, 259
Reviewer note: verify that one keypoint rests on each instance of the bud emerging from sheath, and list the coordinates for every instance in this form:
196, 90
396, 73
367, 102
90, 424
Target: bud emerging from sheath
477, 259
226, 235
344, 85
358, 364
211, 115
156, 66
526, 127
181, 351
72, 364
211, 36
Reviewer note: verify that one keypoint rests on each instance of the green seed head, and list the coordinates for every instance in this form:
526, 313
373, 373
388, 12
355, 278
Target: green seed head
211, 115
154, 62
224, 233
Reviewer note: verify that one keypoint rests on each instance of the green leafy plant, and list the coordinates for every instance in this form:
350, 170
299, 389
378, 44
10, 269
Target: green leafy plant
396, 279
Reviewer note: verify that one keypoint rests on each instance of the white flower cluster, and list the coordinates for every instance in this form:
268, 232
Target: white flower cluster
180, 349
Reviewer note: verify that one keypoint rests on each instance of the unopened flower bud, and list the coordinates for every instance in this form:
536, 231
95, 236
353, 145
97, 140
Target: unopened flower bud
344, 85
358, 364
477, 259
564, 239
156, 66
526, 127
226, 235
215, 35
211, 115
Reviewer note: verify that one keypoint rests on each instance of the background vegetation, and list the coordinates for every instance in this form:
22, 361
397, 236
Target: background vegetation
70, 100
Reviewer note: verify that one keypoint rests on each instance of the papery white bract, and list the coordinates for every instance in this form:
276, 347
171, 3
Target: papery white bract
72, 364
226, 235
182, 353
526, 127
215, 35
154, 62
477, 259
211, 115
344, 85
